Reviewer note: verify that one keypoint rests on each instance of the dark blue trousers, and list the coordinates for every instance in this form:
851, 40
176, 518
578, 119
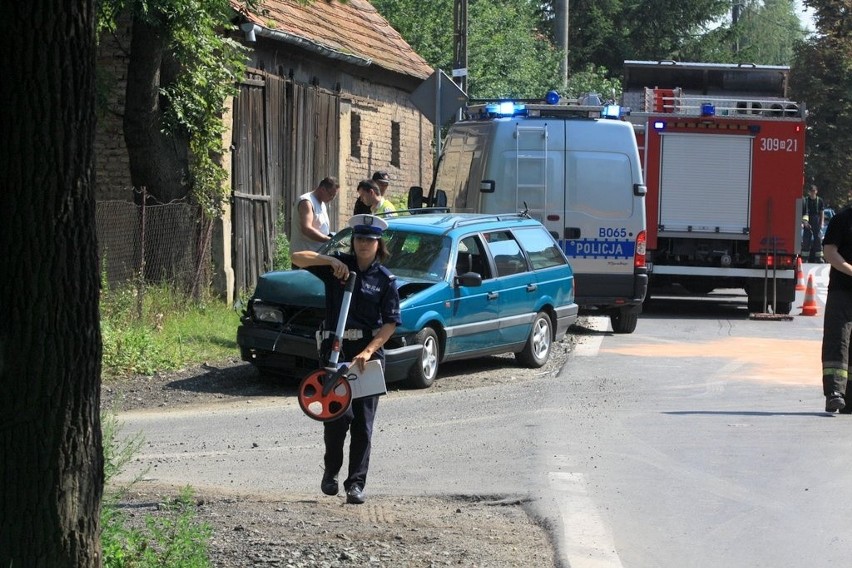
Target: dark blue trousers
358, 421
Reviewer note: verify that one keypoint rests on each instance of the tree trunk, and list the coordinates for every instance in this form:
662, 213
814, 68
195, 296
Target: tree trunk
51, 456
158, 161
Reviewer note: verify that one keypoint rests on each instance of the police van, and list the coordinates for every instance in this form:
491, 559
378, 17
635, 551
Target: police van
573, 167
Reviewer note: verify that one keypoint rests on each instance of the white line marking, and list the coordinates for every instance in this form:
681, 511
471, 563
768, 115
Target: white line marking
587, 541
589, 345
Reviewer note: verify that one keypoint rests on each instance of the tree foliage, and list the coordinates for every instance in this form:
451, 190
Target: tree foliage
822, 76
509, 54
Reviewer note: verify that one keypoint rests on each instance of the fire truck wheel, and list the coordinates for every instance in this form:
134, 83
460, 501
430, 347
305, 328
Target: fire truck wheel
624, 320
784, 308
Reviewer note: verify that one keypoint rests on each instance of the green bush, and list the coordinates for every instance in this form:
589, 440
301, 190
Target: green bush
281, 249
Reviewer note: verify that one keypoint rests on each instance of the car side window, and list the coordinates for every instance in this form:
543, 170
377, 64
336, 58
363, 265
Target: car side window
471, 258
507, 254
541, 248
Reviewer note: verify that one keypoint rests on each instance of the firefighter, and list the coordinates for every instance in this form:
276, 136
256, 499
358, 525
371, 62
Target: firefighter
837, 324
813, 218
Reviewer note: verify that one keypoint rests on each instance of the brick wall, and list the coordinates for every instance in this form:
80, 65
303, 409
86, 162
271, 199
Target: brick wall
112, 165
378, 108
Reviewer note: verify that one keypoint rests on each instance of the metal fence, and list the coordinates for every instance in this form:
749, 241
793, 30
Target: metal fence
154, 244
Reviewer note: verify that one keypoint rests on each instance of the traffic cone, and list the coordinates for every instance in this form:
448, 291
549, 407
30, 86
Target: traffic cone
800, 281
809, 308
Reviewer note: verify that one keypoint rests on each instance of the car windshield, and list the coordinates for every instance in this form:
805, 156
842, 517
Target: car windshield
414, 256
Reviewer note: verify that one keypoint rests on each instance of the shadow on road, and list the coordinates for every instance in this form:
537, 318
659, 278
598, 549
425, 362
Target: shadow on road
746, 413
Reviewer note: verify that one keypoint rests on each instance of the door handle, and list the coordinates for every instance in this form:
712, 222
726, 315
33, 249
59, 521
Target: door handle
492, 295
572, 232
532, 287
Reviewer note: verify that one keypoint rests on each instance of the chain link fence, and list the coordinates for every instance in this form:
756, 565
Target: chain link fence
154, 244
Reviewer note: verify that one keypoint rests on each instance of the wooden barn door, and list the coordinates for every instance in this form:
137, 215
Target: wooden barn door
286, 138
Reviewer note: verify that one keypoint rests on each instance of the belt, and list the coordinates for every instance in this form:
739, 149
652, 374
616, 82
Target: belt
350, 334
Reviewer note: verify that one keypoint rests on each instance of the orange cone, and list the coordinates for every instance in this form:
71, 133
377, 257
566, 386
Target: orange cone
809, 308
800, 282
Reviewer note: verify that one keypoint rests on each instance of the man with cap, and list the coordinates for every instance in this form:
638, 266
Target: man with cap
370, 194
382, 180
372, 320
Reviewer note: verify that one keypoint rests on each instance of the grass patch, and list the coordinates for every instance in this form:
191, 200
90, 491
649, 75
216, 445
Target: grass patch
173, 538
160, 329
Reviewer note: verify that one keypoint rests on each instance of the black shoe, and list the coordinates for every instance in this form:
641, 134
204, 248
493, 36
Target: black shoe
329, 484
355, 495
834, 402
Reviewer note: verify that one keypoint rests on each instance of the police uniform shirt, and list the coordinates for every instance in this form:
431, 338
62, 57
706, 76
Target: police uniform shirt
839, 234
375, 300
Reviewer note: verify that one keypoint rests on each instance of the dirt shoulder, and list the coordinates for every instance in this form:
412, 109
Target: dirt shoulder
301, 531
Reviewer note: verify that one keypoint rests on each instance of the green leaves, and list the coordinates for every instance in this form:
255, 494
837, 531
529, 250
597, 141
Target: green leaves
208, 66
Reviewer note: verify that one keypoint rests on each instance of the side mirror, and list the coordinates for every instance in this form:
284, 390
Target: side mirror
468, 279
415, 197
440, 198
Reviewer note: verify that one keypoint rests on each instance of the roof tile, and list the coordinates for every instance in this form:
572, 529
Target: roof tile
353, 28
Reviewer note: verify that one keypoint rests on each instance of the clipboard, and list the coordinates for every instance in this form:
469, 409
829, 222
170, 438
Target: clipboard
370, 382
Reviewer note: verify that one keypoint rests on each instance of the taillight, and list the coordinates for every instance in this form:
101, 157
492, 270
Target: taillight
639, 257
770, 261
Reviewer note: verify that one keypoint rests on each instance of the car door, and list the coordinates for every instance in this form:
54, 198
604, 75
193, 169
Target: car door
516, 286
472, 323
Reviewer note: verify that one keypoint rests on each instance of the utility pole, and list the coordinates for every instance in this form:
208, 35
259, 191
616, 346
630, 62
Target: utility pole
460, 44
560, 8
736, 9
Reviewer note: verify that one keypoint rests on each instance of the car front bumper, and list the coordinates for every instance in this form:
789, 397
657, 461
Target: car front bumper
291, 353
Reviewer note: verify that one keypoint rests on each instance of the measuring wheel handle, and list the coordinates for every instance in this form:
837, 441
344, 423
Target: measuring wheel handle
325, 394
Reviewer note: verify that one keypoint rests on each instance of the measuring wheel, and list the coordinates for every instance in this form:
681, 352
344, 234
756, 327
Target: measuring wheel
325, 395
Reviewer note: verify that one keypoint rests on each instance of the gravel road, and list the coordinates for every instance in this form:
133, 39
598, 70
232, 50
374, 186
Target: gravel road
300, 531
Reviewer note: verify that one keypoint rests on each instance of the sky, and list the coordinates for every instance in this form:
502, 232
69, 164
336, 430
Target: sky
806, 15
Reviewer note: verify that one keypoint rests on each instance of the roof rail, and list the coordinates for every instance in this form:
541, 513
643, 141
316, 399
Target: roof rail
414, 211
479, 218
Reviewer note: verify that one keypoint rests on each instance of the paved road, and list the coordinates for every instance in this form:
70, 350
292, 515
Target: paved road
699, 440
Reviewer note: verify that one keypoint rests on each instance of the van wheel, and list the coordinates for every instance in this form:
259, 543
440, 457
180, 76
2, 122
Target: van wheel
537, 349
423, 373
624, 320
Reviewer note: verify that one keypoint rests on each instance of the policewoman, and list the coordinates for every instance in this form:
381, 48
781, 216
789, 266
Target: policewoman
372, 319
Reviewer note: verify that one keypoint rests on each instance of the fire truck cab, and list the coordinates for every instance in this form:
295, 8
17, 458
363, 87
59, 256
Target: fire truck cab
722, 150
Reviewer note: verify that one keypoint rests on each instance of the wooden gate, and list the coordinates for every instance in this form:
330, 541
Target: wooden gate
286, 138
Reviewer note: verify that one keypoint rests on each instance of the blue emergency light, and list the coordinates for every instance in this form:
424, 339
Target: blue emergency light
505, 108
611, 111
551, 98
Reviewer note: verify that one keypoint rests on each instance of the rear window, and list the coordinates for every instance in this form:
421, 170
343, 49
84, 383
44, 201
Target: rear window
541, 248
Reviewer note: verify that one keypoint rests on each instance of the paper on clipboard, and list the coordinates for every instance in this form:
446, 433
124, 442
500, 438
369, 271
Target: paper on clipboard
369, 382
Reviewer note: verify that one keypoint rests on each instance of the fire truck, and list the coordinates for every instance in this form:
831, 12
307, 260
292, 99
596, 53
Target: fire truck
722, 150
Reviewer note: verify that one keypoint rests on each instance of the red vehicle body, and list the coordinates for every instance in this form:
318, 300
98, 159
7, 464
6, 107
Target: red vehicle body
723, 159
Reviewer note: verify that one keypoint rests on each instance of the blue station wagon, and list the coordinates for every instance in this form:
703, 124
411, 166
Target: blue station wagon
469, 285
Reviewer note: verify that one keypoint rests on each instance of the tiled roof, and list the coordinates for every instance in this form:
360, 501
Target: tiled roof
353, 28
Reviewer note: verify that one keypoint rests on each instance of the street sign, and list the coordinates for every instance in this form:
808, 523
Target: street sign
438, 96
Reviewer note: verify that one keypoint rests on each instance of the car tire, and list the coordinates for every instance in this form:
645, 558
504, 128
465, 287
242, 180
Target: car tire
423, 373
539, 343
624, 320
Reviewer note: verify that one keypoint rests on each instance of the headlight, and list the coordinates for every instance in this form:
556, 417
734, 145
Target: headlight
267, 313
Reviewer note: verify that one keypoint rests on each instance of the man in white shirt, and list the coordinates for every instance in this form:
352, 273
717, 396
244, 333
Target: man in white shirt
310, 222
